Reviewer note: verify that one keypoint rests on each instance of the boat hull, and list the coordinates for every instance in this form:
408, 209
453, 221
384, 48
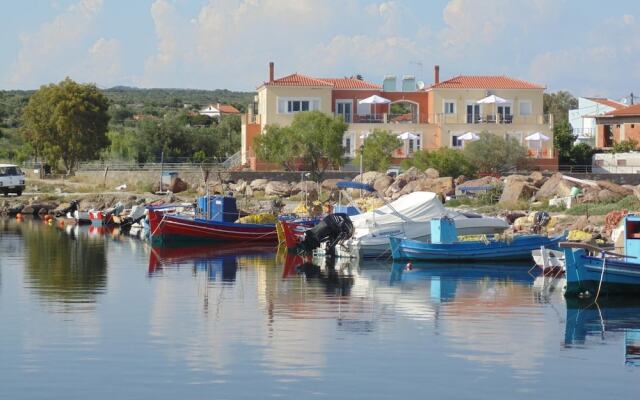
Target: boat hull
585, 272
168, 228
517, 249
293, 231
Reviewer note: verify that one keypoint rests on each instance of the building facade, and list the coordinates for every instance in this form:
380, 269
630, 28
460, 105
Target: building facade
618, 125
583, 119
436, 115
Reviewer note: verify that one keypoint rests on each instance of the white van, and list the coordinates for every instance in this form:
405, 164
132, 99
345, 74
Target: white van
11, 179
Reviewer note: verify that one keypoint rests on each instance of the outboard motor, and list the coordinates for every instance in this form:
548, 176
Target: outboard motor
333, 229
540, 220
73, 206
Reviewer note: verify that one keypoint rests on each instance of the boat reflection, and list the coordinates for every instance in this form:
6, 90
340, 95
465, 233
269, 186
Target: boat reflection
603, 320
218, 261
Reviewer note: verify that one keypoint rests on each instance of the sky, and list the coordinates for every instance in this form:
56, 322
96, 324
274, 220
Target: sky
591, 48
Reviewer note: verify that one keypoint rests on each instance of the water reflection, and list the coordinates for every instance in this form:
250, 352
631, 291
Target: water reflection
602, 321
61, 264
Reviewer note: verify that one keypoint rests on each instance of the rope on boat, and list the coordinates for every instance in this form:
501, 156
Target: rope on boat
604, 266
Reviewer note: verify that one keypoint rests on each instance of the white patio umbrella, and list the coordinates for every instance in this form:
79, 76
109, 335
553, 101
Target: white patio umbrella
468, 137
373, 100
408, 136
493, 99
537, 139
364, 135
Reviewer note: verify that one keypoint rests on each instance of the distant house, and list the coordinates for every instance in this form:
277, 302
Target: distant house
217, 110
583, 119
618, 125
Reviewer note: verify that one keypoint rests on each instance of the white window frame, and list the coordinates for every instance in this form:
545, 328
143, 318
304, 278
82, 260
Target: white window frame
444, 107
282, 104
345, 101
473, 103
520, 103
351, 136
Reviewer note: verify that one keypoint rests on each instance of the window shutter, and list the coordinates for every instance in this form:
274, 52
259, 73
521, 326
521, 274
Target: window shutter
282, 106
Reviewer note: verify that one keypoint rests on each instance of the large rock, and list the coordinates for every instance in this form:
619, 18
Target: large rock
536, 179
615, 188
330, 184
411, 174
239, 187
442, 186
555, 186
486, 180
382, 183
368, 177
636, 191
516, 187
432, 173
606, 195
278, 188
178, 185
309, 189
258, 184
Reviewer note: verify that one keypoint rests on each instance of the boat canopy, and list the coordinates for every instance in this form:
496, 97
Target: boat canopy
354, 185
412, 207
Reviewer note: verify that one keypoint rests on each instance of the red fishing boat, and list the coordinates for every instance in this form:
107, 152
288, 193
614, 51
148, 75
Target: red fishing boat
293, 231
213, 221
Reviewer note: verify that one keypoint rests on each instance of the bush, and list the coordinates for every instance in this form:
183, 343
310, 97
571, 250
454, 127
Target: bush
378, 149
625, 146
492, 153
447, 161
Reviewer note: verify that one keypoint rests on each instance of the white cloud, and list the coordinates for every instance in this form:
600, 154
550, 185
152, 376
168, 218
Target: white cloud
103, 63
48, 51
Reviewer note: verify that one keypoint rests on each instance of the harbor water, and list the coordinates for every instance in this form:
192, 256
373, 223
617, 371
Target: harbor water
90, 314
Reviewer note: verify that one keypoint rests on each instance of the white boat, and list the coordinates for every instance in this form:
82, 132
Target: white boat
409, 217
81, 217
549, 260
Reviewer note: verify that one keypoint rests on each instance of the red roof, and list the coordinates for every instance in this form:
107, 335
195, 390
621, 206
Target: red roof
610, 103
336, 83
485, 82
227, 109
630, 111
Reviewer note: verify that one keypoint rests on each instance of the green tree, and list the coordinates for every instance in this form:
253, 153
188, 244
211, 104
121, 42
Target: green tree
377, 150
492, 153
67, 121
313, 136
563, 141
625, 146
558, 104
581, 154
447, 161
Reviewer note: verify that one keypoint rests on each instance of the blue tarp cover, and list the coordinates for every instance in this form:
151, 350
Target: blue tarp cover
355, 185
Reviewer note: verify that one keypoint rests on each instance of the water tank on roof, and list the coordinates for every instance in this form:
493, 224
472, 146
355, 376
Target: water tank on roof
389, 83
408, 83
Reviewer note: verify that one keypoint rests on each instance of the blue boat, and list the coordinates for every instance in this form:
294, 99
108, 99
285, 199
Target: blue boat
594, 271
445, 247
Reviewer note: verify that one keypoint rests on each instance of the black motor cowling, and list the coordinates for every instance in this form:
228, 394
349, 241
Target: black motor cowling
333, 229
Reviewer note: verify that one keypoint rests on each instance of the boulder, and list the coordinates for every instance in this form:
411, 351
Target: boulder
460, 180
330, 184
258, 184
278, 188
580, 223
309, 189
382, 183
555, 186
486, 180
636, 191
615, 188
432, 173
178, 185
239, 187
368, 177
589, 195
440, 186
411, 174
606, 195
516, 187
536, 179
395, 187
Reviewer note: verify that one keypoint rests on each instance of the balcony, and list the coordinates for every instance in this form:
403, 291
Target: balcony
381, 118
584, 132
491, 119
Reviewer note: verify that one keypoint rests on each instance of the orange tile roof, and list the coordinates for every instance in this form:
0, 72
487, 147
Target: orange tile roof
630, 111
337, 83
227, 109
610, 103
485, 82
351, 83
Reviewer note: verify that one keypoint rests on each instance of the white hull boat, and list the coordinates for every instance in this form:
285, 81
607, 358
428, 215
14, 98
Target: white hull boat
409, 217
549, 260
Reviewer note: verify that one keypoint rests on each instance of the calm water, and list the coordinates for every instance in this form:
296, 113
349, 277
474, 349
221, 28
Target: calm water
85, 315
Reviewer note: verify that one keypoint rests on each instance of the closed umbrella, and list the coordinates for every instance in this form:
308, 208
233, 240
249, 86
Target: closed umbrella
468, 137
373, 100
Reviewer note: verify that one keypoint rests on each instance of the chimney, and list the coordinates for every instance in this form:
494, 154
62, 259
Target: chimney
436, 74
271, 67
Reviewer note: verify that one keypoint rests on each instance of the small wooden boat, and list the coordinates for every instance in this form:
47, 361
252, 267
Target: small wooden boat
446, 247
550, 261
216, 224
293, 231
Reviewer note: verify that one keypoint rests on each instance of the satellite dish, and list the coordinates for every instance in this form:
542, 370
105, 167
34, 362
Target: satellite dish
420, 85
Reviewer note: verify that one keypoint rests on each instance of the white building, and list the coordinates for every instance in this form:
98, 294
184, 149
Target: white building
216, 110
583, 121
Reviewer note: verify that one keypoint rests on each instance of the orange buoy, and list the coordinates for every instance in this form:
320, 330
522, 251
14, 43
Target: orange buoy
61, 222
18, 216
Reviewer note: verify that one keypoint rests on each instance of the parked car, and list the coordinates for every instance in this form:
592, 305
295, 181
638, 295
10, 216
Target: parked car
11, 179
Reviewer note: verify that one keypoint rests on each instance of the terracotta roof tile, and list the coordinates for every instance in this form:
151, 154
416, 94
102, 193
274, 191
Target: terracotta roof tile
485, 82
630, 111
336, 83
610, 103
227, 109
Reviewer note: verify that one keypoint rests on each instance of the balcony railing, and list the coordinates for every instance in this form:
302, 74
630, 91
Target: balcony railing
486, 119
380, 118
584, 132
